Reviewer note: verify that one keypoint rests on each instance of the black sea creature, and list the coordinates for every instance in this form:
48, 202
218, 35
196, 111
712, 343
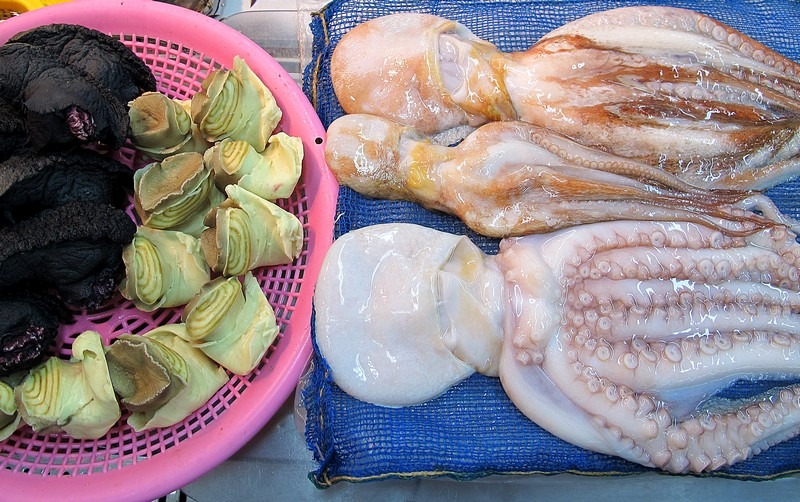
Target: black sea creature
68, 85
75, 249
28, 325
104, 59
12, 129
64, 92
30, 183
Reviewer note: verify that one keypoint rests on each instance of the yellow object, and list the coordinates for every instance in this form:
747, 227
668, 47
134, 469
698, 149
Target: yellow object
11, 8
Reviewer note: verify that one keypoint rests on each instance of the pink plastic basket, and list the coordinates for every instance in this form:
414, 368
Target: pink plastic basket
181, 47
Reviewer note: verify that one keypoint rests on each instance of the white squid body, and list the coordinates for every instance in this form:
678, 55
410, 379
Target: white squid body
612, 336
668, 87
403, 315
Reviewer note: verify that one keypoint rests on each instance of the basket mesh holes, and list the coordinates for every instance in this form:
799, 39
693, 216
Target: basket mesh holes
283, 291
167, 316
272, 349
166, 444
243, 383
63, 348
138, 328
178, 69
225, 396
125, 155
158, 442
297, 203
128, 447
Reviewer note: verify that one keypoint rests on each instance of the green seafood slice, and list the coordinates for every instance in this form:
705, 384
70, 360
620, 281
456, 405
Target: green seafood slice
271, 174
235, 104
176, 193
74, 397
163, 268
232, 322
9, 418
246, 232
161, 378
161, 126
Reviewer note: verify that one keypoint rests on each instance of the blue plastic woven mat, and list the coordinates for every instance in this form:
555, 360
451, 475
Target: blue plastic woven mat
474, 430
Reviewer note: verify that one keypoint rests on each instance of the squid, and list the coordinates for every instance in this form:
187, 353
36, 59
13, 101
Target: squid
512, 178
614, 336
664, 86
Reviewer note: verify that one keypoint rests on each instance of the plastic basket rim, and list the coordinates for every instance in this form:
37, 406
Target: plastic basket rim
226, 434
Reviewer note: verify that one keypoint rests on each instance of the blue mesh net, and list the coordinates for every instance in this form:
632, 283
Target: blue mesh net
474, 430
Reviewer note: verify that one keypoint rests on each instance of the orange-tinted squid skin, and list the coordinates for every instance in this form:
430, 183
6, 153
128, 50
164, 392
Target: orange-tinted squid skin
667, 87
512, 178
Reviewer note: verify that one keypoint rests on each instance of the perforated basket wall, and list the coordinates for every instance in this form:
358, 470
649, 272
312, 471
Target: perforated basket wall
182, 47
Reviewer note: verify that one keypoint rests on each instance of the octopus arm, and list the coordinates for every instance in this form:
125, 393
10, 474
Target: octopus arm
684, 385
641, 349
666, 33
674, 315
639, 427
673, 310
704, 101
540, 399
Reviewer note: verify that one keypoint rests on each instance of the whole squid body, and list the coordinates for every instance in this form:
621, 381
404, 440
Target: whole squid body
665, 86
613, 336
513, 178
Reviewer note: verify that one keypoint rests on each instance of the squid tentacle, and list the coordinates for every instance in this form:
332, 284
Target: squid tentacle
512, 178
